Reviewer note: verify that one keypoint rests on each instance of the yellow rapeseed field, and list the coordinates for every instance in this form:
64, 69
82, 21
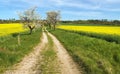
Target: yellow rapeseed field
94, 29
11, 28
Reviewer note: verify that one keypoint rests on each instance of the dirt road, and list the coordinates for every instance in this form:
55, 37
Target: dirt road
67, 64
29, 63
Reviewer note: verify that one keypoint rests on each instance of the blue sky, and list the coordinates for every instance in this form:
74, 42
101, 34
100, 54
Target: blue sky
70, 9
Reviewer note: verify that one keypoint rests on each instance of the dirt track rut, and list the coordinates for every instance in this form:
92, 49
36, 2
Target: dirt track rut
29, 63
67, 64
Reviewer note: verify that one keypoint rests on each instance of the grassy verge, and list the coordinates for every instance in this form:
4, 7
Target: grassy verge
11, 53
96, 56
49, 61
107, 37
80, 24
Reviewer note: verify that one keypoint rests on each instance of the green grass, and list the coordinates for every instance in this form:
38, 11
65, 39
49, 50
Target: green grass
80, 24
12, 53
107, 37
49, 62
96, 56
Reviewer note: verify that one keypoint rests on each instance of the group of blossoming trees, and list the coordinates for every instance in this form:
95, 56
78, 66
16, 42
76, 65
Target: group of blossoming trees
31, 19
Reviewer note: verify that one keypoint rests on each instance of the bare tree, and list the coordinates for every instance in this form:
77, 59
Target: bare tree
52, 18
29, 18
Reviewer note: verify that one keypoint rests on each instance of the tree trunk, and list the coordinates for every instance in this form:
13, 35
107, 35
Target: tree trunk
54, 27
31, 29
49, 25
19, 42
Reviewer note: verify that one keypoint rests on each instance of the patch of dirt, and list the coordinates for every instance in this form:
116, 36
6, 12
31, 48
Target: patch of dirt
67, 64
30, 61
1, 49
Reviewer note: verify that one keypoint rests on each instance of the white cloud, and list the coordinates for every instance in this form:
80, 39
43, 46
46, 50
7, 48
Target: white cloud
94, 5
71, 3
82, 13
111, 9
59, 2
105, 1
113, 1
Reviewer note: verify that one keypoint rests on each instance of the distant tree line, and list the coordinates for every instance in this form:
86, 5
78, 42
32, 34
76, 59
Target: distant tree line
9, 21
97, 22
